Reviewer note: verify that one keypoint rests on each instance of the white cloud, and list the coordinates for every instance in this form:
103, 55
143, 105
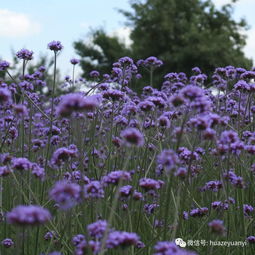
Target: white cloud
124, 34
85, 25
250, 46
221, 2
13, 24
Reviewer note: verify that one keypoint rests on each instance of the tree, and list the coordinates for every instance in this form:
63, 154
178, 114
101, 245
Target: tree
182, 33
101, 52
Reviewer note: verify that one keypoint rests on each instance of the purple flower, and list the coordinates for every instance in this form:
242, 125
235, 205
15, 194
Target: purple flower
38, 171
121, 239
25, 54
4, 65
94, 74
247, 209
7, 243
62, 155
113, 94
170, 248
74, 61
168, 159
251, 239
152, 62
196, 70
65, 194
76, 240
4, 171
150, 208
28, 215
137, 195
97, 229
198, 212
50, 235
76, 102
93, 189
164, 122
115, 176
217, 227
21, 164
133, 137
149, 184
213, 186
126, 191
20, 110
192, 92
126, 61
55, 46
146, 106
5, 96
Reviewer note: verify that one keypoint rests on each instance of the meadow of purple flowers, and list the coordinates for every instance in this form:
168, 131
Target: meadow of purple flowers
108, 171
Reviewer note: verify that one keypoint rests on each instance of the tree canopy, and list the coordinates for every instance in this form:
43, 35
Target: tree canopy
182, 33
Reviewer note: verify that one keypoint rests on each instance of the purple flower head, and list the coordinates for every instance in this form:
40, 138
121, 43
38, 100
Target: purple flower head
150, 208
4, 171
76, 240
4, 65
28, 215
74, 61
137, 195
251, 239
93, 189
115, 176
152, 62
7, 242
113, 94
38, 171
146, 106
168, 159
126, 61
94, 74
62, 155
185, 215
126, 191
248, 75
20, 110
198, 212
192, 92
21, 164
50, 235
133, 136
95, 246
25, 54
5, 96
150, 184
217, 227
196, 70
76, 102
181, 172
170, 248
121, 239
97, 229
163, 122
213, 186
55, 46
65, 194
247, 209
242, 85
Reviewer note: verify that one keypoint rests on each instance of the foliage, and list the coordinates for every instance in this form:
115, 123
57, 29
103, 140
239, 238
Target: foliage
183, 33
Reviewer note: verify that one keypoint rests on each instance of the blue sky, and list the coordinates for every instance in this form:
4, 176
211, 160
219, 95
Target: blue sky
33, 23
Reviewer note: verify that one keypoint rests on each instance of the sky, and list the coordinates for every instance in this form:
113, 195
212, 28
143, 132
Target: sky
32, 24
